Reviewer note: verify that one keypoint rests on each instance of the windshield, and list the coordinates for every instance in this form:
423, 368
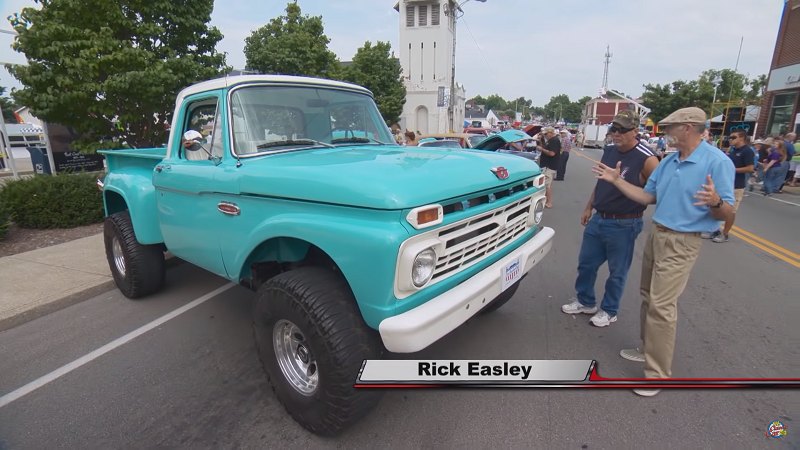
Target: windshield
474, 139
269, 119
441, 143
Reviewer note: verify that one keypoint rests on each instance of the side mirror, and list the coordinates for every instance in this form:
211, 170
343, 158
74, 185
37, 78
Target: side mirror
193, 136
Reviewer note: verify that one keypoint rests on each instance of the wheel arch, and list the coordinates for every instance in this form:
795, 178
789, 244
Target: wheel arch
141, 208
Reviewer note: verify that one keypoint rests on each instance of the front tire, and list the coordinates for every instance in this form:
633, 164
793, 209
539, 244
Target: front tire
312, 341
138, 269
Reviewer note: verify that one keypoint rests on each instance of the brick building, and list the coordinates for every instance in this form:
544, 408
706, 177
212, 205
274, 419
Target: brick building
780, 109
601, 111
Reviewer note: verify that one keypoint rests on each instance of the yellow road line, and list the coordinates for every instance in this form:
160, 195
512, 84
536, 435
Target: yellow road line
767, 243
766, 249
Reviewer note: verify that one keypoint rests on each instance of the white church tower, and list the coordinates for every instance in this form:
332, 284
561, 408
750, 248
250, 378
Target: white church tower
426, 56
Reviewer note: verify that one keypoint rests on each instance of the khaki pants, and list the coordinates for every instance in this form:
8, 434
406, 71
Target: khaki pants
549, 174
668, 259
737, 195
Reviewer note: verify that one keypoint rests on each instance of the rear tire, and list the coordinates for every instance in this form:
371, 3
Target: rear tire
138, 269
312, 341
501, 299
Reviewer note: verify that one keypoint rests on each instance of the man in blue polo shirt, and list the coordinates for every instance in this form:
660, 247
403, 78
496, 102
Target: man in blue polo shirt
692, 190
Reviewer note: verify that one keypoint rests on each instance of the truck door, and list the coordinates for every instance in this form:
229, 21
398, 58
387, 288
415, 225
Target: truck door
187, 192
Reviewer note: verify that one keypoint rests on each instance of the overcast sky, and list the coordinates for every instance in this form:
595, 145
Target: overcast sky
532, 48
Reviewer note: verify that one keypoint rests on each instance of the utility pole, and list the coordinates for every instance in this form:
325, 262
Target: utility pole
453, 9
608, 56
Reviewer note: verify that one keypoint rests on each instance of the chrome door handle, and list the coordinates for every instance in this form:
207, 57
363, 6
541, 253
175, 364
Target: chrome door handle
231, 209
159, 167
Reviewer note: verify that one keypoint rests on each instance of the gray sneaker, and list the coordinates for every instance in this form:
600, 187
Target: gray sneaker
602, 319
719, 238
577, 308
710, 234
632, 354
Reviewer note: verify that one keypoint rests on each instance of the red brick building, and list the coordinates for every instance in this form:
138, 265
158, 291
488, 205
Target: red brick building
780, 109
600, 111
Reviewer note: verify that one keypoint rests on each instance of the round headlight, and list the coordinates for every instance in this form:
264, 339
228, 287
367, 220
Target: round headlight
538, 212
422, 269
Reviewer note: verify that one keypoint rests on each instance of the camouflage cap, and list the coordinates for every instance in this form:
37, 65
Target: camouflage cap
690, 115
627, 119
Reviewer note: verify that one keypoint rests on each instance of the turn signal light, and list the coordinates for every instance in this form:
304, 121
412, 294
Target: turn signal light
425, 216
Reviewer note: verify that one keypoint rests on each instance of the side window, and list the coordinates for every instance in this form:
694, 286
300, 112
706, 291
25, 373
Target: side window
202, 118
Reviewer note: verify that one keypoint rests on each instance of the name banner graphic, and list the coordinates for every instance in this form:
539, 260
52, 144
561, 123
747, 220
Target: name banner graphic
460, 371
531, 373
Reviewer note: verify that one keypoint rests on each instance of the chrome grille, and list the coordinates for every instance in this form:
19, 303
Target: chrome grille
474, 239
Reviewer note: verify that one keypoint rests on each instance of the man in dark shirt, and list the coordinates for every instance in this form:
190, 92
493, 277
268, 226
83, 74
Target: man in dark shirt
743, 160
610, 235
551, 155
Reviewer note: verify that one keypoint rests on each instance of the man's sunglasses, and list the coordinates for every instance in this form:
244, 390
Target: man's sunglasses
616, 129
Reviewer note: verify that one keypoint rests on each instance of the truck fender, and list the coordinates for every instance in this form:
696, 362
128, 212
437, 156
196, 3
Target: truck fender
141, 205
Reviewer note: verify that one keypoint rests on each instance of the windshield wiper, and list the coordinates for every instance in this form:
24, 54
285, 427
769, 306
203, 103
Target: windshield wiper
292, 142
357, 140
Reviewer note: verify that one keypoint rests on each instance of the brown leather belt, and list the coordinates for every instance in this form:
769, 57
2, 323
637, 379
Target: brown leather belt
620, 216
664, 229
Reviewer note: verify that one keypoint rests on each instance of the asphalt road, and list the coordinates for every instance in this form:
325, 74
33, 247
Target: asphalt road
195, 381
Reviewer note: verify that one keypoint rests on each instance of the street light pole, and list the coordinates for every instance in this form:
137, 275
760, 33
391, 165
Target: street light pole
454, 7
716, 80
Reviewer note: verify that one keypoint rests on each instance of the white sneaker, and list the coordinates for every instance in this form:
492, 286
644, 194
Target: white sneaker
576, 308
709, 234
602, 319
646, 392
632, 354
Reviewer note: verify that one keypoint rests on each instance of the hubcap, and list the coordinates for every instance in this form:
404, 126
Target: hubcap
119, 257
294, 357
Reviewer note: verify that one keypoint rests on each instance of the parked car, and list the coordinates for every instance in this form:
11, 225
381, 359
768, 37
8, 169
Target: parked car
498, 143
441, 143
476, 130
462, 139
354, 245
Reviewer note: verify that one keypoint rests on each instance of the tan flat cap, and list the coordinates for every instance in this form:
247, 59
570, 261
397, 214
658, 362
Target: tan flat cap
689, 115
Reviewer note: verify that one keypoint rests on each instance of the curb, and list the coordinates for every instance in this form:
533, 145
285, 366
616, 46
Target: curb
55, 305
69, 300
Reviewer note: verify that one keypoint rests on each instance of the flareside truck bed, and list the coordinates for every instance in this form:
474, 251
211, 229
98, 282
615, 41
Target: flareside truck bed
145, 158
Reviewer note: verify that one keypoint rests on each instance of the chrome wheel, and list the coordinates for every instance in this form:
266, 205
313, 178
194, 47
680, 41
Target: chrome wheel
119, 257
294, 357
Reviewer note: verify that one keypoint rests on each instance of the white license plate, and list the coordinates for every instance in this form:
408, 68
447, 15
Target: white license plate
511, 273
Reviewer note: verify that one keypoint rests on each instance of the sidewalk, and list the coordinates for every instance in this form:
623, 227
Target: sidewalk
41, 281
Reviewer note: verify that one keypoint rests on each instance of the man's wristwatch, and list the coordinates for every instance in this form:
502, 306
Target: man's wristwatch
718, 205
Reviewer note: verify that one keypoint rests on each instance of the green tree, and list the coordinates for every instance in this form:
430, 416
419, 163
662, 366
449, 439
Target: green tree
730, 86
7, 105
557, 107
291, 45
111, 69
496, 103
374, 68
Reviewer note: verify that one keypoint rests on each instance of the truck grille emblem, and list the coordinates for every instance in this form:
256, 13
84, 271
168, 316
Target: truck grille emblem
500, 172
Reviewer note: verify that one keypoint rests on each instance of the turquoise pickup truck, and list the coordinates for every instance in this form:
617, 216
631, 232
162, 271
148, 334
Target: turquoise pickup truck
295, 188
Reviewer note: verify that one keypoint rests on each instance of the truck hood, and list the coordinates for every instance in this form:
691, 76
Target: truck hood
379, 177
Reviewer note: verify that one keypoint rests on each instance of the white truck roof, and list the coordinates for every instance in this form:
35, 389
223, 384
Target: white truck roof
219, 83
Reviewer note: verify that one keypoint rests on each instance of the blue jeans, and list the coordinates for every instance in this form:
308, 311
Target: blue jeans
604, 240
775, 176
